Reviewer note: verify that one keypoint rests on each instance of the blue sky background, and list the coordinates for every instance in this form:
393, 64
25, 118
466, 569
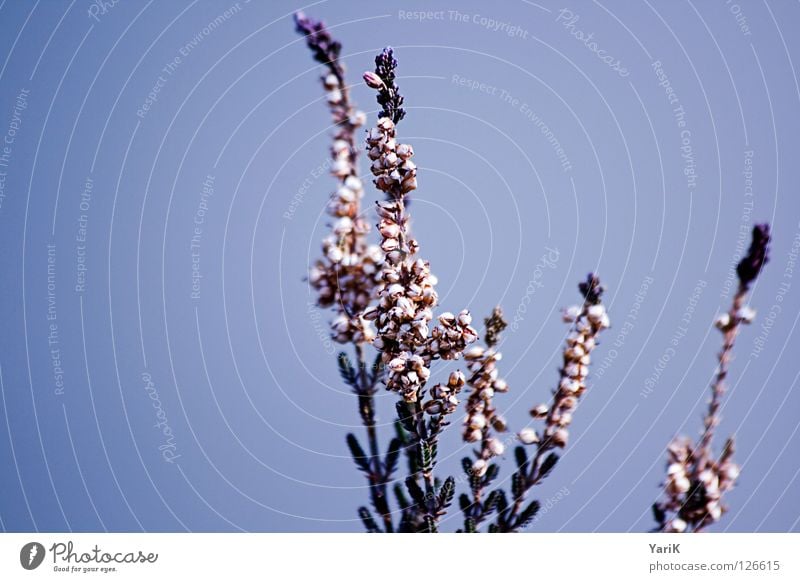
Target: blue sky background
244, 376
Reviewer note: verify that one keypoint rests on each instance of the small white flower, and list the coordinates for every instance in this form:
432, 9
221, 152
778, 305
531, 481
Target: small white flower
353, 183
390, 244
571, 313
390, 160
406, 306
405, 151
570, 386
732, 472
397, 364
746, 314
446, 318
595, 312
358, 118
457, 379
385, 124
676, 469
495, 447
473, 436
540, 411
389, 229
714, 511
676, 525
706, 477
340, 168
528, 436
560, 437
343, 225
345, 194
315, 275
477, 421
341, 324
479, 467
723, 321
500, 385
680, 485
335, 254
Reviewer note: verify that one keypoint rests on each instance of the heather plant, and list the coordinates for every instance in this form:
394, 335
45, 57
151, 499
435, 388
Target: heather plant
383, 298
696, 480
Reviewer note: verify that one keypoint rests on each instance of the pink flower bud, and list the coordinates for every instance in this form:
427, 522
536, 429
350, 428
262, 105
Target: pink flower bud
373, 80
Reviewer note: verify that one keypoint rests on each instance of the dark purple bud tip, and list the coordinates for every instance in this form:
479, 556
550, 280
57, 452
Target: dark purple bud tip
389, 97
757, 256
591, 289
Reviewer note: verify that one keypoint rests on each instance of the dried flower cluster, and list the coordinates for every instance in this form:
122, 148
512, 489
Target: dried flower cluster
694, 496
385, 296
390, 287
482, 424
587, 320
482, 418
695, 479
406, 292
395, 173
346, 274
407, 296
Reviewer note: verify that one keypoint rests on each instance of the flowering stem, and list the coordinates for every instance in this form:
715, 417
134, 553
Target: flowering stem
696, 480
589, 319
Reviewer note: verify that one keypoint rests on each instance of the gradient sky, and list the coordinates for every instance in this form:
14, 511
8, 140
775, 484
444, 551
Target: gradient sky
128, 128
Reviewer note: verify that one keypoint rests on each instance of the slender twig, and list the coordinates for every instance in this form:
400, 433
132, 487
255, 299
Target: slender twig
695, 479
345, 277
588, 320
